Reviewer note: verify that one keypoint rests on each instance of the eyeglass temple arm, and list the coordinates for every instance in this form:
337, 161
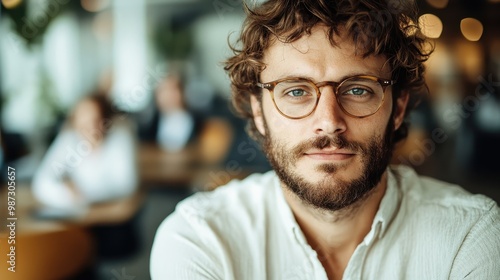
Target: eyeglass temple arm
387, 82
266, 86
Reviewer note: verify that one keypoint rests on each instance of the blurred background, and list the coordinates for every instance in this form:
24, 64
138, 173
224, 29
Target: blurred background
158, 65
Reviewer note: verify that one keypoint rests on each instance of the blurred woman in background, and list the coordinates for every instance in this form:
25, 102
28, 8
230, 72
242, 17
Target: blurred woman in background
93, 159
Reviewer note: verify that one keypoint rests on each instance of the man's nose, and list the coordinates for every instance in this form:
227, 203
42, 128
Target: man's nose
328, 117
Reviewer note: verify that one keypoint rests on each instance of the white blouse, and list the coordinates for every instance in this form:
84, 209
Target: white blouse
105, 173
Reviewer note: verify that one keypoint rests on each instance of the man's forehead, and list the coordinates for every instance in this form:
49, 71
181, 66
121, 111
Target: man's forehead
315, 52
305, 43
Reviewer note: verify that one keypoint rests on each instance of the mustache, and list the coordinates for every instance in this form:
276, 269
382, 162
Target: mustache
323, 142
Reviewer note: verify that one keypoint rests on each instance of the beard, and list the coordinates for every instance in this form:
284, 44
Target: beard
329, 193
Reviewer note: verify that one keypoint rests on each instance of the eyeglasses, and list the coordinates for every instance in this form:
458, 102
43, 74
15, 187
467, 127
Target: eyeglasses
358, 96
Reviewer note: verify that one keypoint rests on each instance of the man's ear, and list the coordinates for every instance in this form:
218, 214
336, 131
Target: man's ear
258, 118
400, 108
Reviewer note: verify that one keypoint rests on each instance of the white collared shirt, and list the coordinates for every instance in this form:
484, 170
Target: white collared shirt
424, 229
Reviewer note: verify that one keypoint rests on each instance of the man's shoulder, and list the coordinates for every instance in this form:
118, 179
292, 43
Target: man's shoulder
445, 228
238, 198
422, 191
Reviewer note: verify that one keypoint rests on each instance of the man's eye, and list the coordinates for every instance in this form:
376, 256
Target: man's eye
296, 92
356, 91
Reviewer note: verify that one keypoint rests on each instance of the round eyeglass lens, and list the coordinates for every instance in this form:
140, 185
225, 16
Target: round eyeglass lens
295, 98
360, 96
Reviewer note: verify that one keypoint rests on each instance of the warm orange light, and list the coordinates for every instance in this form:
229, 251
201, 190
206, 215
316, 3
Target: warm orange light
471, 58
94, 5
10, 4
439, 4
430, 25
471, 28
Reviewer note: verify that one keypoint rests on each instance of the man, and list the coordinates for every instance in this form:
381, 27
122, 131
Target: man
326, 86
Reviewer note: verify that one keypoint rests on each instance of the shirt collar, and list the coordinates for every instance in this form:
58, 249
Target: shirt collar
383, 217
286, 214
388, 206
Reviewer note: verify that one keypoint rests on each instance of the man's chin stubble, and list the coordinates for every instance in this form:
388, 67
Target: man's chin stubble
375, 159
329, 215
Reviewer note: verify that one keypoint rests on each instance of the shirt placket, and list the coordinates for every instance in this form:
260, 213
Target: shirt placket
354, 269
311, 267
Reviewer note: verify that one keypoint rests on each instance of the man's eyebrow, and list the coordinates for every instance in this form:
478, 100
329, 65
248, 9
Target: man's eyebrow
343, 77
367, 73
290, 77
298, 77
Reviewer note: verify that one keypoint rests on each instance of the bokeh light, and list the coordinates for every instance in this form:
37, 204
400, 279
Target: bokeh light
471, 28
94, 5
430, 25
10, 4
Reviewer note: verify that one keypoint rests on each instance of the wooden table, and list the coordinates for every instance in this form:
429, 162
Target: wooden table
159, 167
54, 249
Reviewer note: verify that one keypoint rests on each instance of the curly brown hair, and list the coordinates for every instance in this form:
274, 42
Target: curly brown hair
377, 27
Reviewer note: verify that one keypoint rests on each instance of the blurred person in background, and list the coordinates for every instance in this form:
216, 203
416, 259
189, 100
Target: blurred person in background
173, 125
93, 159
327, 87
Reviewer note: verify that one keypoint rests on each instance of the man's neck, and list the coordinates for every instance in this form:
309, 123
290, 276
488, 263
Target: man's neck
334, 235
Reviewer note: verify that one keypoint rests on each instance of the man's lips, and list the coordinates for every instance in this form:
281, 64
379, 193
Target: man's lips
330, 154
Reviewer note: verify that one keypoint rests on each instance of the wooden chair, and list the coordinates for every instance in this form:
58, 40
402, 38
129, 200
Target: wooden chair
54, 254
